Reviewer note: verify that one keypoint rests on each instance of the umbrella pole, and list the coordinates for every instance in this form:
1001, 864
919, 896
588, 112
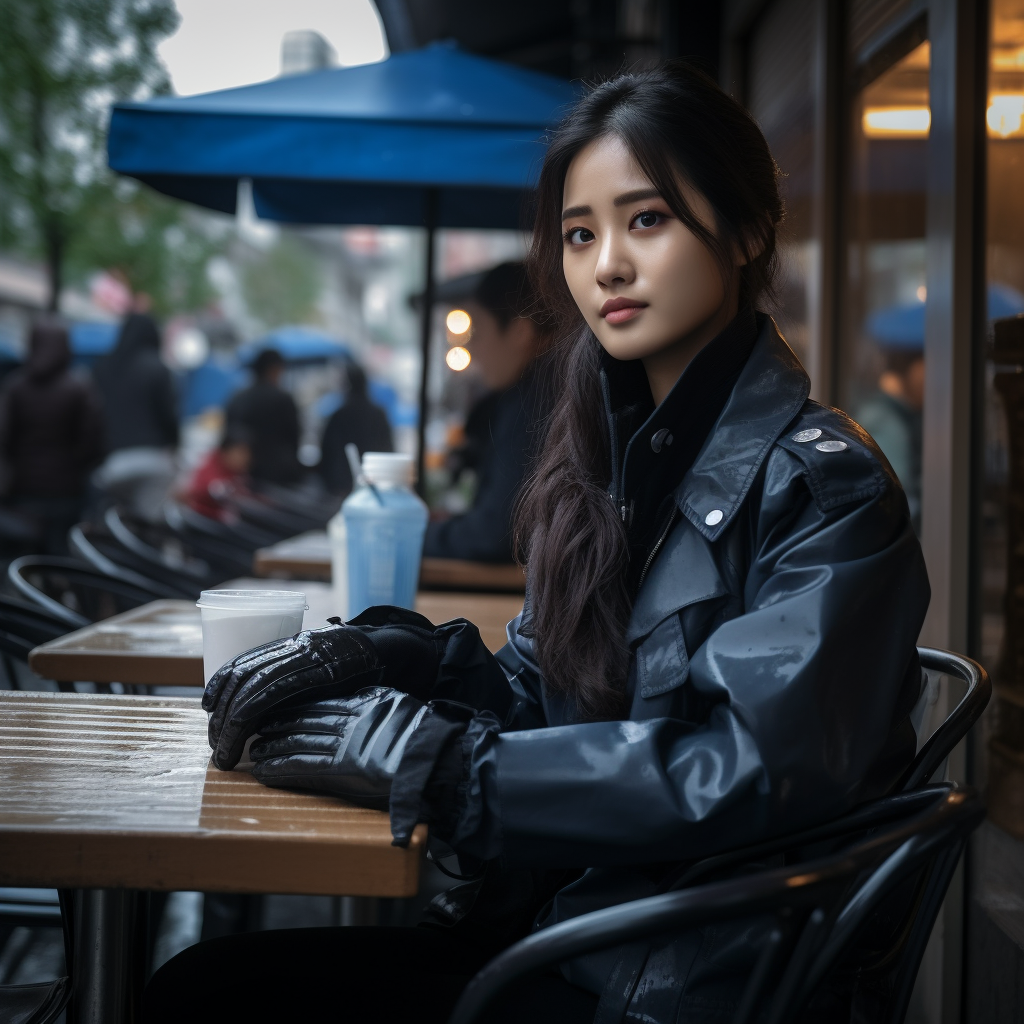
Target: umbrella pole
426, 322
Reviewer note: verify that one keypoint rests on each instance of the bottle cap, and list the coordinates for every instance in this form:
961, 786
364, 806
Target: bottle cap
388, 469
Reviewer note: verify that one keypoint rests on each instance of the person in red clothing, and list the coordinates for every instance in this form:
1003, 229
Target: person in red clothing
223, 474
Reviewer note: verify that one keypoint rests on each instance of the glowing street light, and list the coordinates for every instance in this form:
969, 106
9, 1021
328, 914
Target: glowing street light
458, 321
458, 358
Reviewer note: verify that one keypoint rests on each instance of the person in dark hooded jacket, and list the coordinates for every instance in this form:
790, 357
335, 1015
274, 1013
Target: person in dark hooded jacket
138, 390
51, 434
141, 410
359, 421
717, 645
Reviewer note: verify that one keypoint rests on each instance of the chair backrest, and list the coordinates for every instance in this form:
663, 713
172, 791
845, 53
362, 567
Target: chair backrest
157, 544
109, 556
216, 548
819, 907
76, 593
939, 745
24, 626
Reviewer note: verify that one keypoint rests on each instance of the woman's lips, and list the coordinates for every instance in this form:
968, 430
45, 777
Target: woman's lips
618, 311
620, 316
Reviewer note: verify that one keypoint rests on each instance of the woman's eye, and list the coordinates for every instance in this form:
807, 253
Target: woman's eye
647, 219
578, 236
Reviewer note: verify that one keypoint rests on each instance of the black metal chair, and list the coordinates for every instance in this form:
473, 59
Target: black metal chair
74, 592
212, 541
24, 626
239, 534
908, 803
283, 523
819, 906
42, 1002
108, 555
156, 545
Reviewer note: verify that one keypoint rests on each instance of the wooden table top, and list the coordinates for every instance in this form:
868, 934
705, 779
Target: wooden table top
308, 557
161, 643
100, 791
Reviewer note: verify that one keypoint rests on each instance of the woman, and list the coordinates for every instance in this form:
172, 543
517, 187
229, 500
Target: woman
51, 435
718, 639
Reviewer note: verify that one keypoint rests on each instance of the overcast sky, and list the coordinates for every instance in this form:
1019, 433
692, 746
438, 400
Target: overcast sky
224, 43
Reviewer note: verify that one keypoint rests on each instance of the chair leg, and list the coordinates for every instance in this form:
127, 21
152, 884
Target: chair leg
763, 970
11, 671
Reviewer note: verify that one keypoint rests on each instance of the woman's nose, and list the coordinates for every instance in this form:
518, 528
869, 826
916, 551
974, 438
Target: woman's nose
613, 264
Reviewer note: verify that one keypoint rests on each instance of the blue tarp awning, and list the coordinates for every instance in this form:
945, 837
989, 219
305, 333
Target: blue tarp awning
372, 144
297, 344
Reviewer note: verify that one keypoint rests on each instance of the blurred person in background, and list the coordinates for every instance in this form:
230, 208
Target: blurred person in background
268, 415
894, 416
359, 421
51, 435
221, 476
141, 413
502, 428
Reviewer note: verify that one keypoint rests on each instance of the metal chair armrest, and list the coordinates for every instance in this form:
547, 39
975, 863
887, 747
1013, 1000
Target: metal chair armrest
957, 723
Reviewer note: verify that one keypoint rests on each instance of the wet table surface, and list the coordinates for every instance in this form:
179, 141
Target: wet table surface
161, 643
108, 791
308, 556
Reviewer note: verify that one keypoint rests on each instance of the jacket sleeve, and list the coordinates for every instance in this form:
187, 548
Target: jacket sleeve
808, 688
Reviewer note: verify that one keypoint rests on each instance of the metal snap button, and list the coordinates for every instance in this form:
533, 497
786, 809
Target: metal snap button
661, 437
807, 435
714, 517
831, 446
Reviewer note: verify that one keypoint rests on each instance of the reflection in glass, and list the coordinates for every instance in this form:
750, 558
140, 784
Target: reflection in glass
781, 96
881, 356
1001, 604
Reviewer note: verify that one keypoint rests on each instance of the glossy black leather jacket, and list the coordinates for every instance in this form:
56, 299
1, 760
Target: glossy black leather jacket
773, 670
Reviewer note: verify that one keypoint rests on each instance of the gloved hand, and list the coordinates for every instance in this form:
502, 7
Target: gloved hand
316, 664
348, 747
383, 646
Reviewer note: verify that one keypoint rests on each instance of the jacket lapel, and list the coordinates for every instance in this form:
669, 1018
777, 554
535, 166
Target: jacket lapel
771, 390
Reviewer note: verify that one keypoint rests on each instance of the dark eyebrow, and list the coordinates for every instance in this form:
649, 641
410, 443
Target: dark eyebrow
576, 211
637, 196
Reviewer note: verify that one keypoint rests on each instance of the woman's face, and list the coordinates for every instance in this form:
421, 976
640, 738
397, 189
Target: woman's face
645, 283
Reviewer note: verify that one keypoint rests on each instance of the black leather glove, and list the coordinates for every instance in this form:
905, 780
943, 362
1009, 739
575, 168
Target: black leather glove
348, 747
383, 646
316, 664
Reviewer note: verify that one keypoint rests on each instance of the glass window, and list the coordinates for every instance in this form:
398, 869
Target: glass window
881, 344
781, 96
1001, 605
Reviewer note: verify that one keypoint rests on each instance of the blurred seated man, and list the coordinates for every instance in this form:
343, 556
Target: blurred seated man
222, 475
504, 425
358, 421
893, 416
268, 415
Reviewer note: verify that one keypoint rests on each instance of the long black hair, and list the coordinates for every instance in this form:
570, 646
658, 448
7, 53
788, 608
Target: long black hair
678, 125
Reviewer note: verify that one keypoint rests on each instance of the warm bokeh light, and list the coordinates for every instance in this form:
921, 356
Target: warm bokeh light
458, 321
458, 358
896, 122
1005, 114
922, 293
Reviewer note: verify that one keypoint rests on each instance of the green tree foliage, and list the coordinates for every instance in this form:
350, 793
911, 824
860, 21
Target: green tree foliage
281, 285
156, 244
62, 63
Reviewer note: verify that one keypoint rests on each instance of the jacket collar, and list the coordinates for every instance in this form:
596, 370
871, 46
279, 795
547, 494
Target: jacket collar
771, 390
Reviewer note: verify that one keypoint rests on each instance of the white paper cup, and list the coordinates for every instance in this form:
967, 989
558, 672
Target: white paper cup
239, 620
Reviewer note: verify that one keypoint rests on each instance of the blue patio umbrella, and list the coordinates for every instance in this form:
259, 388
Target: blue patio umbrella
902, 326
297, 344
433, 137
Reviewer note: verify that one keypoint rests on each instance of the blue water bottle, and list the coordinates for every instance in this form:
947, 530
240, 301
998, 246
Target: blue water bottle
384, 522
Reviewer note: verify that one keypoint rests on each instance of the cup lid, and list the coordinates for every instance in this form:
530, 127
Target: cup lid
253, 600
